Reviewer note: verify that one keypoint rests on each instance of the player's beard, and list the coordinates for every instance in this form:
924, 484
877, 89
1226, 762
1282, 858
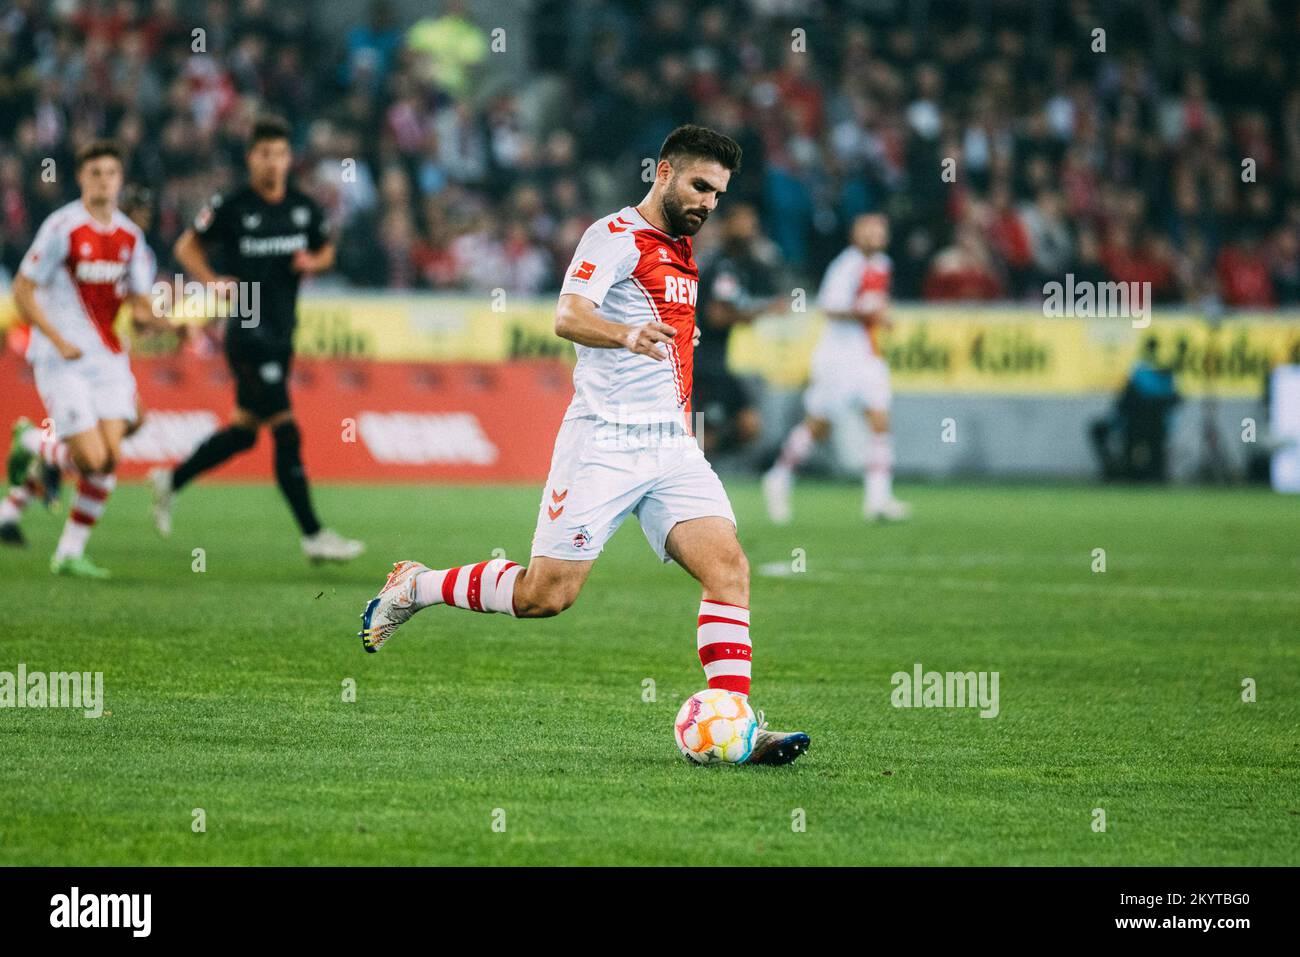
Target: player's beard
677, 212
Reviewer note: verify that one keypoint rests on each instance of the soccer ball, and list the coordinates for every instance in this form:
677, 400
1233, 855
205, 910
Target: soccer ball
716, 727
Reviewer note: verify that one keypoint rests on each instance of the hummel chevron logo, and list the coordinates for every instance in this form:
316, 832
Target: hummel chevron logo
557, 497
618, 229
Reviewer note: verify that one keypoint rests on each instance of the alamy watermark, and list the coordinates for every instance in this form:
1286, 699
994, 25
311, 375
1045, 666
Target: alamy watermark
952, 689
192, 299
54, 689
1085, 299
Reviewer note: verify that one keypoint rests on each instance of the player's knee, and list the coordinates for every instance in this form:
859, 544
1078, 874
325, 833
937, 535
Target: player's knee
91, 461
288, 440
820, 429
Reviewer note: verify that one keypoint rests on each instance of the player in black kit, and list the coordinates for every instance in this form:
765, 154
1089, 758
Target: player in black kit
261, 238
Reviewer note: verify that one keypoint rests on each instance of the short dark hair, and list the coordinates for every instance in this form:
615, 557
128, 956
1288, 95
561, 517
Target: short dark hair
268, 128
97, 148
701, 142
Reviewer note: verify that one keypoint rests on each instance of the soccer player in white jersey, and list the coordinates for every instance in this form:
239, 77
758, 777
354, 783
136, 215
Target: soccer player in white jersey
849, 374
87, 259
625, 445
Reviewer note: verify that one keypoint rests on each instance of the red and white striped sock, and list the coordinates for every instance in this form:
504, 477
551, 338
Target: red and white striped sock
723, 641
798, 446
54, 452
11, 509
87, 507
486, 586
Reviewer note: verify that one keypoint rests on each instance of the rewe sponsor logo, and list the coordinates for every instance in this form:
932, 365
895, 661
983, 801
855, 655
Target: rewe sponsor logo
1105, 300
680, 289
134, 911
168, 436
54, 689
420, 438
100, 271
953, 689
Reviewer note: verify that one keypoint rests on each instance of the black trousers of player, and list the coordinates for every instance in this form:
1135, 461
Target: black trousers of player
261, 387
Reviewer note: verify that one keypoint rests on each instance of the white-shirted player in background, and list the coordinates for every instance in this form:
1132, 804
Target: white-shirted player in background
625, 446
87, 259
848, 373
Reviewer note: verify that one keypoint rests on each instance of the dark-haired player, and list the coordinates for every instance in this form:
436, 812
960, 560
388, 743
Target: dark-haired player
264, 236
86, 260
625, 446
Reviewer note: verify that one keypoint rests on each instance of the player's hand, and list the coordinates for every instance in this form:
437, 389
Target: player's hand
67, 350
303, 262
644, 340
696, 336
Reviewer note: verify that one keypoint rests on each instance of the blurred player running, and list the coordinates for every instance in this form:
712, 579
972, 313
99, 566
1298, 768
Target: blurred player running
86, 260
624, 447
266, 235
849, 373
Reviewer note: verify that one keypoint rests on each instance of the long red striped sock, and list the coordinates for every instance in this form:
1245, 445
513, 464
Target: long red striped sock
54, 452
485, 586
11, 509
723, 642
92, 493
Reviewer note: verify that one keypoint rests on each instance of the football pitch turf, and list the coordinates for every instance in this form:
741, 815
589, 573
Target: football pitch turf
1118, 690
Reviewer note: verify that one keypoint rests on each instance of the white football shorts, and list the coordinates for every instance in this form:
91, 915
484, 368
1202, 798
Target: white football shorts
78, 393
847, 381
602, 472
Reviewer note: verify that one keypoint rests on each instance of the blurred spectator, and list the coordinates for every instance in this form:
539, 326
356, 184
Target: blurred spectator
1243, 273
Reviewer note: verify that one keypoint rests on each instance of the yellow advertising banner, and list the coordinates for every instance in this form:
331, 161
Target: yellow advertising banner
1007, 350
1019, 351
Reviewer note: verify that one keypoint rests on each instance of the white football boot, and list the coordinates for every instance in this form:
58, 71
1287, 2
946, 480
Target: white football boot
776, 495
393, 606
776, 747
891, 511
328, 545
161, 495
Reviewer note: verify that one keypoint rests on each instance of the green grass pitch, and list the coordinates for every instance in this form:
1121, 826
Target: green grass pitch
1119, 690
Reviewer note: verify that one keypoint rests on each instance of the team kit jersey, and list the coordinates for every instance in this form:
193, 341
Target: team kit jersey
848, 371
625, 446
83, 271
255, 241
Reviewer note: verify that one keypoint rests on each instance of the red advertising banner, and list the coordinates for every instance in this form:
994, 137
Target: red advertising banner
361, 420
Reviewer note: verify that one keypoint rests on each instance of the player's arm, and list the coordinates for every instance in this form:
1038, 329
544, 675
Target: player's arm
319, 254
310, 261
140, 276
577, 320
193, 258
24, 290
143, 315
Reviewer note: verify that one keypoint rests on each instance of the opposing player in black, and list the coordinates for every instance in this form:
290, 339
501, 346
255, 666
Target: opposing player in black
254, 244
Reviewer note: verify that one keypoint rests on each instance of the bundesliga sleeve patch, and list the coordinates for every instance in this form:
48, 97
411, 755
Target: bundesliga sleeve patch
584, 271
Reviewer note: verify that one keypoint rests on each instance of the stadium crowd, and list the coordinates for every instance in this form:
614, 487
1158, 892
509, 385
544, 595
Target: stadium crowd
1171, 157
